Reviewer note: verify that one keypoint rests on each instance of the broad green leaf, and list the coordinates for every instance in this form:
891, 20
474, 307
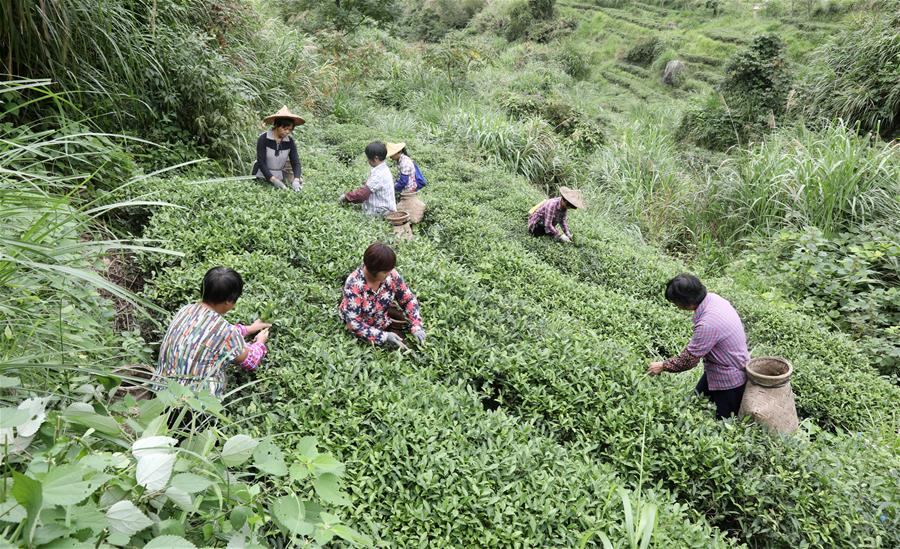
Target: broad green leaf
170, 542
323, 535
13, 417
84, 415
9, 382
154, 471
190, 483
299, 471
290, 514
126, 519
327, 488
267, 457
237, 450
307, 447
349, 534
28, 493
47, 533
326, 463
68, 543
36, 408
181, 498
152, 445
12, 511
239, 516
64, 485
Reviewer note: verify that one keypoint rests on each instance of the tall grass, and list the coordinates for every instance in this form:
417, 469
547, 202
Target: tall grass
197, 74
529, 147
52, 251
831, 179
641, 174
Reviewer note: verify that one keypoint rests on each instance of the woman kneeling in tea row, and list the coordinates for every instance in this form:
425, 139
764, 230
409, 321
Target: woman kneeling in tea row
377, 306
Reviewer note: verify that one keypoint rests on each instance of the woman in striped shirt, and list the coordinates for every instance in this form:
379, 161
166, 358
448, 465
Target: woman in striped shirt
200, 343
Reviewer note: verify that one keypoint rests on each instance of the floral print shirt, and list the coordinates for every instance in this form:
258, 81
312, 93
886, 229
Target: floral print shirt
365, 312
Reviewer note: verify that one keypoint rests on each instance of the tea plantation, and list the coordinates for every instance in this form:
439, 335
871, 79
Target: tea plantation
528, 405
526, 419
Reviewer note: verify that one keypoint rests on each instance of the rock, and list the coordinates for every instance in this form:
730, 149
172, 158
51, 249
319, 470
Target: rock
671, 75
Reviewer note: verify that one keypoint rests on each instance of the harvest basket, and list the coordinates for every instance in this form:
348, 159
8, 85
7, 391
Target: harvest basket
410, 203
768, 397
397, 218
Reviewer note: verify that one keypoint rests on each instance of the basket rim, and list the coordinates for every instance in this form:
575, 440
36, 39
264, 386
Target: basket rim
756, 376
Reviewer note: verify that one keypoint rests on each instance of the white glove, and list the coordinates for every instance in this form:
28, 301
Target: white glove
297, 184
419, 335
564, 238
278, 185
342, 200
393, 340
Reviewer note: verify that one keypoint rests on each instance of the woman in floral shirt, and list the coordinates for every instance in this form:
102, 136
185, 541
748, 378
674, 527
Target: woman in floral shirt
367, 307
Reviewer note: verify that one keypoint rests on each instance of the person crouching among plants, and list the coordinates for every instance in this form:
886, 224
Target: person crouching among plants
377, 306
275, 147
545, 217
377, 194
718, 339
409, 177
200, 343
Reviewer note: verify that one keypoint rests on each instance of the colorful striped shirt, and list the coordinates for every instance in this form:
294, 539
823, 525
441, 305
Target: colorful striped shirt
365, 312
197, 347
720, 340
548, 215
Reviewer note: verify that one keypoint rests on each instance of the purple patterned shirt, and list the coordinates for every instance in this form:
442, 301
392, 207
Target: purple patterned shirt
720, 340
548, 215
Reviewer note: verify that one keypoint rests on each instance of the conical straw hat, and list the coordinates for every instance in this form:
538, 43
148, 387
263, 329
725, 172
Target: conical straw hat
284, 113
394, 148
572, 196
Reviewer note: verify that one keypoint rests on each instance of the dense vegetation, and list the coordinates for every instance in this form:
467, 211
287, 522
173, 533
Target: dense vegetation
526, 419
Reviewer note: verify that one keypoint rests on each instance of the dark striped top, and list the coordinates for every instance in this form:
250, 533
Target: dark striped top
271, 156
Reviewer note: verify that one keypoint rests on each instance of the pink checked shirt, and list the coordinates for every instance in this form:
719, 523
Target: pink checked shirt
720, 340
548, 215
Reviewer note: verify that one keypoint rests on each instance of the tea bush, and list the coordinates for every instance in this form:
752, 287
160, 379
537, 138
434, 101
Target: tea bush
470, 264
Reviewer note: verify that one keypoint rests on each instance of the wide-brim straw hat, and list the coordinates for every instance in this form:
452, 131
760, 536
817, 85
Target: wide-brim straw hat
394, 148
284, 112
572, 196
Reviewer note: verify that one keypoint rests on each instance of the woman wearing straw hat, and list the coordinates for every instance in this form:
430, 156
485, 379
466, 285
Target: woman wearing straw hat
275, 147
409, 178
544, 217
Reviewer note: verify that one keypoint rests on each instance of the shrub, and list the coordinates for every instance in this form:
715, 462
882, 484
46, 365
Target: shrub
852, 277
752, 95
574, 60
565, 119
433, 19
854, 76
645, 52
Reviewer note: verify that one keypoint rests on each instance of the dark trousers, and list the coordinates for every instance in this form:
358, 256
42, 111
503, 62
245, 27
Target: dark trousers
538, 230
727, 402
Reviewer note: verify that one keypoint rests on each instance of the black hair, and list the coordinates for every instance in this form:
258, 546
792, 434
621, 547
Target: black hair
379, 258
283, 122
221, 284
685, 290
376, 149
403, 151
